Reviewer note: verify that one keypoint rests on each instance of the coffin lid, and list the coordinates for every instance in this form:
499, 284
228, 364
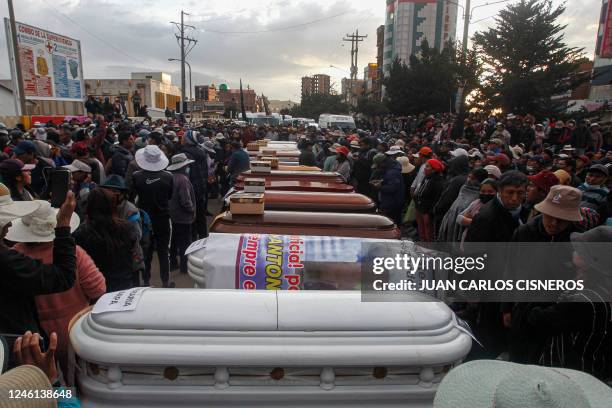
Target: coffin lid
308, 219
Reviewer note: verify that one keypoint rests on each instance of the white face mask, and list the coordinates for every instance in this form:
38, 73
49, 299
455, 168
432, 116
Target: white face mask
187, 171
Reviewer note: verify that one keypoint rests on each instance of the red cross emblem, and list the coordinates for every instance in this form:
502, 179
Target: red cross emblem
49, 47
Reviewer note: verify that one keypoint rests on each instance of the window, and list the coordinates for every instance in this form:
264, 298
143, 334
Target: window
171, 101
160, 100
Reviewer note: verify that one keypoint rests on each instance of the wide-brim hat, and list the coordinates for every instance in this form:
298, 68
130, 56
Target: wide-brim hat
562, 202
26, 378
179, 161
11, 210
4, 354
151, 158
39, 226
503, 384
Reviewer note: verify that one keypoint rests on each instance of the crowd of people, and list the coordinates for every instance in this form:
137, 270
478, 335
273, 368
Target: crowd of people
143, 187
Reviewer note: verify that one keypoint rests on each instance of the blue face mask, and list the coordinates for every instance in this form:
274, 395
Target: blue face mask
188, 171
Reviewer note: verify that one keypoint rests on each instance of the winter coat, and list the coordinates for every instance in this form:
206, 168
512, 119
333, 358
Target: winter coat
22, 278
199, 170
494, 223
154, 190
117, 266
307, 158
428, 193
120, 161
183, 202
391, 193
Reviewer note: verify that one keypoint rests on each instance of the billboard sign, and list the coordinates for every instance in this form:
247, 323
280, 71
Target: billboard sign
51, 64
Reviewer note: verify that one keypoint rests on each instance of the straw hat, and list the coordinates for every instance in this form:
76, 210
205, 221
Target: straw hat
25, 378
501, 384
38, 226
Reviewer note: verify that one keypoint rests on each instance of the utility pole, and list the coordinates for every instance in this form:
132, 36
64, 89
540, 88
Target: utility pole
355, 39
18, 86
181, 38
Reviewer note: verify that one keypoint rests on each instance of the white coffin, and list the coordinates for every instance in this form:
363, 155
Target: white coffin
194, 348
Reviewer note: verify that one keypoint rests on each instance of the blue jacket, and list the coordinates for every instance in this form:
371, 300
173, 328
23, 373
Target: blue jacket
392, 193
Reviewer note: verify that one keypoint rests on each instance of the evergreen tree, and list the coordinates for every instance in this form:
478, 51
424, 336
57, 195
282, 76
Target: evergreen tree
314, 105
526, 61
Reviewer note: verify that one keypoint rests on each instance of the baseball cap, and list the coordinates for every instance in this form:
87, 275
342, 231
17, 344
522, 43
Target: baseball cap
562, 202
504, 384
425, 152
544, 180
459, 152
14, 166
599, 168
78, 165
24, 147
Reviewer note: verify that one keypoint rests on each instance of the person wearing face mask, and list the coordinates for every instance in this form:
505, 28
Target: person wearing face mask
426, 196
182, 209
537, 190
486, 192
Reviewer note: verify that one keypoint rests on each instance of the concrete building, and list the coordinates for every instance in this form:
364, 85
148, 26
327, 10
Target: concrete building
205, 109
372, 83
276, 106
205, 92
230, 97
601, 85
155, 90
380, 52
409, 22
351, 95
316, 84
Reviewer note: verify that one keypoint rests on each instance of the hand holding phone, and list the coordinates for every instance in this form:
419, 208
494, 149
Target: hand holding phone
60, 182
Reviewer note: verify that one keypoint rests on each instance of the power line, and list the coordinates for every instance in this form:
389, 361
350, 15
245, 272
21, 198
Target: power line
75, 22
288, 28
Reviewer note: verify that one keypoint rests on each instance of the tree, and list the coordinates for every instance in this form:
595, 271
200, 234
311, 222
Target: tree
370, 107
526, 61
430, 81
314, 105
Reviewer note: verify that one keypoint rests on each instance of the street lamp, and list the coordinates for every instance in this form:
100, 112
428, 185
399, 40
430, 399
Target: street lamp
189, 65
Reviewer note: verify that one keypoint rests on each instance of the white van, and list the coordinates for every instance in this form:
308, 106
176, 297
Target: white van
340, 121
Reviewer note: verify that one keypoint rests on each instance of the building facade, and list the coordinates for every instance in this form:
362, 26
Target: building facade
231, 97
155, 90
316, 84
206, 93
601, 85
410, 22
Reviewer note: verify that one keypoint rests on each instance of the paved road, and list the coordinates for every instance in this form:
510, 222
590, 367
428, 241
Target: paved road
181, 280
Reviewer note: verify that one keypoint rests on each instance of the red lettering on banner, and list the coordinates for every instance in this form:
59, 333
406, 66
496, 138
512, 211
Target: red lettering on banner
248, 270
249, 285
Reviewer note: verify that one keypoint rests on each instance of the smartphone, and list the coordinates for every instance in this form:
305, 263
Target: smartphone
7, 341
60, 182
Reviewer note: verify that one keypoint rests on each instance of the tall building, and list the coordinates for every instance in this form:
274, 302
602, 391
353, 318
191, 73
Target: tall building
380, 51
206, 93
231, 98
409, 22
601, 85
316, 84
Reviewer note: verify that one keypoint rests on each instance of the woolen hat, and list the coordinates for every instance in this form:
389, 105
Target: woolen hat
593, 247
151, 158
562, 202
436, 165
24, 147
499, 384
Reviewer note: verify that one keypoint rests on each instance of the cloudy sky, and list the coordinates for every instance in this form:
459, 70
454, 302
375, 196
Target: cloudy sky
271, 44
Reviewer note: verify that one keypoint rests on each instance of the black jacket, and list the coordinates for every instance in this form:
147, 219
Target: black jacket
198, 174
120, 160
428, 193
22, 278
494, 223
154, 190
307, 158
118, 265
